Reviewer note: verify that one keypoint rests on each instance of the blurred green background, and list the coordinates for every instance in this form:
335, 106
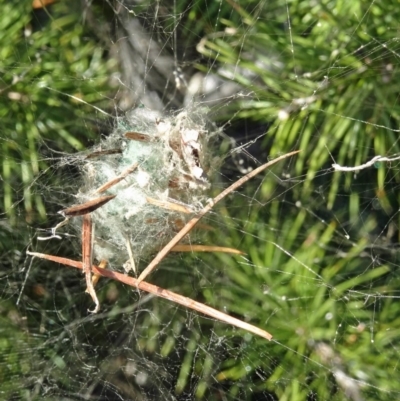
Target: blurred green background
320, 271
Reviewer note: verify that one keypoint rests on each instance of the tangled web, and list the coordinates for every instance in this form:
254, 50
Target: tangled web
204, 92
168, 157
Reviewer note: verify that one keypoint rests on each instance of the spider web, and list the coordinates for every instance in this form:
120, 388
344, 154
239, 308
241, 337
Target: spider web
320, 265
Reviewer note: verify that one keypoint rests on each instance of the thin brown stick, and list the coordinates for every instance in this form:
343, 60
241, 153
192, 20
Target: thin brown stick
116, 180
92, 205
169, 205
137, 136
189, 226
87, 238
160, 292
87, 207
205, 248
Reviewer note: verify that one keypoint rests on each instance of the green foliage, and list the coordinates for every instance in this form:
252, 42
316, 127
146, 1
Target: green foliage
323, 75
326, 84
16, 346
52, 71
320, 270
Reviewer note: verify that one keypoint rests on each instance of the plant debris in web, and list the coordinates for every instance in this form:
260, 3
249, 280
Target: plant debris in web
155, 172
158, 169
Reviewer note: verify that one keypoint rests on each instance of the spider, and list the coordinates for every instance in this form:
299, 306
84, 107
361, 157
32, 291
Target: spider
190, 153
